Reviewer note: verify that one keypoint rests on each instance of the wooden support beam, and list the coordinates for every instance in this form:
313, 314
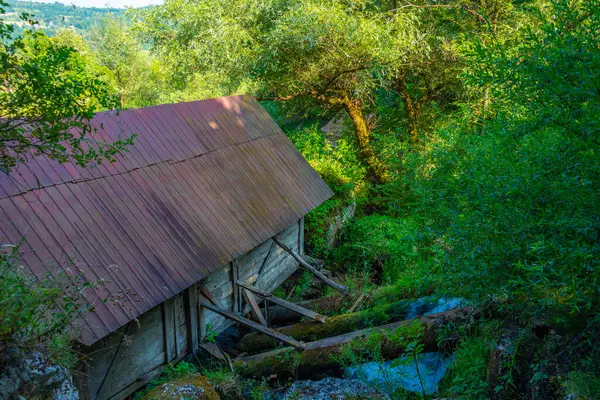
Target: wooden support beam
169, 330
208, 295
237, 301
301, 236
267, 313
337, 286
191, 307
201, 322
256, 326
213, 350
283, 303
254, 307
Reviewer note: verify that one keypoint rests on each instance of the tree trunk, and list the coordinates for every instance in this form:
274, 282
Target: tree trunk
410, 106
319, 356
363, 137
336, 325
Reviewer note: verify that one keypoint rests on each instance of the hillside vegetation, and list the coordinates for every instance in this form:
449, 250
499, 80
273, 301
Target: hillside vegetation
469, 138
50, 17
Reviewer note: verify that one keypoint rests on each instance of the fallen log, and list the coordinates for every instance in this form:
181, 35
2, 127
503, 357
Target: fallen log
310, 331
319, 356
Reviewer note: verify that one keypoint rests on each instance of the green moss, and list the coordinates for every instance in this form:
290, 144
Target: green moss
333, 326
170, 373
164, 392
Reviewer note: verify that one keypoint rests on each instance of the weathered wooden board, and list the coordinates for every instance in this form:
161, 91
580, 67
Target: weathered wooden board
280, 302
254, 307
260, 328
191, 308
127, 354
126, 359
277, 268
181, 326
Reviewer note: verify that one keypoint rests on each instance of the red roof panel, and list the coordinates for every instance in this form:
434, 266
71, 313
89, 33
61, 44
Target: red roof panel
205, 182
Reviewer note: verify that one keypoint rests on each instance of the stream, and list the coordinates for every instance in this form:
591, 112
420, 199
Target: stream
421, 375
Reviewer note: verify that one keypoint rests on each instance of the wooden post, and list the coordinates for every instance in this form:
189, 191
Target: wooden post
201, 321
267, 316
301, 236
236, 290
191, 308
254, 307
339, 287
169, 329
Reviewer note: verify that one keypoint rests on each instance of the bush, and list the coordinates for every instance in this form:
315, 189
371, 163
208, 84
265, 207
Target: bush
515, 208
585, 386
338, 165
466, 376
340, 169
398, 249
37, 316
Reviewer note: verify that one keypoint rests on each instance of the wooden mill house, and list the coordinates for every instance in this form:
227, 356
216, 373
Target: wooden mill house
187, 230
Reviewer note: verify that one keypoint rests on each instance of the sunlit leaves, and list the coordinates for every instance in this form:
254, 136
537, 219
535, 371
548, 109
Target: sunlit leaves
47, 97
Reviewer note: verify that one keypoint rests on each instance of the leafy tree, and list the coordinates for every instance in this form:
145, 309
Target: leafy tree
450, 27
338, 55
47, 98
333, 53
136, 74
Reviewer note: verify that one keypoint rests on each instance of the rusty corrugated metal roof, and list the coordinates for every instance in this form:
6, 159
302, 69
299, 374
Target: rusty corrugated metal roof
205, 182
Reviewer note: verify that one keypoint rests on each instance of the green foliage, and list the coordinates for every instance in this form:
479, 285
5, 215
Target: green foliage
582, 385
344, 174
47, 98
304, 283
514, 208
337, 165
211, 334
408, 337
467, 375
52, 17
550, 74
225, 381
170, 373
332, 47
37, 315
132, 70
497, 199
395, 248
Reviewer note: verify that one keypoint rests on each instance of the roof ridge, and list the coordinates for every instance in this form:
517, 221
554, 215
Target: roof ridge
92, 179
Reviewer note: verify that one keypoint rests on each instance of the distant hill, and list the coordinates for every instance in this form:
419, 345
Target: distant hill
52, 16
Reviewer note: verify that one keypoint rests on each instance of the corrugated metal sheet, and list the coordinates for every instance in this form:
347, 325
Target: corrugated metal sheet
204, 183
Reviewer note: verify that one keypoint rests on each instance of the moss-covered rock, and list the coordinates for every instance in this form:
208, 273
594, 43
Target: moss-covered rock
196, 387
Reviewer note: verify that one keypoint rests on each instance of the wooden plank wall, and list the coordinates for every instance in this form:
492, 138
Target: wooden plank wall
266, 267
129, 358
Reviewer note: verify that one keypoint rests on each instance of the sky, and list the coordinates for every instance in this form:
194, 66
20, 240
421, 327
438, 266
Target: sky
105, 3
